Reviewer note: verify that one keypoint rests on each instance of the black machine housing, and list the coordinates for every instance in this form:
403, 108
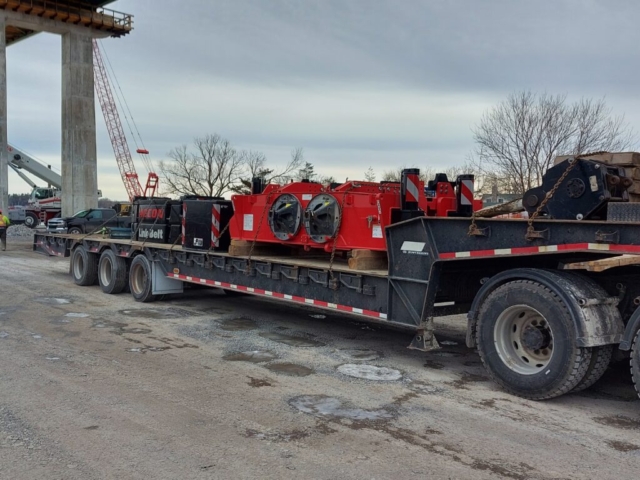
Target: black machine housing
583, 194
198, 223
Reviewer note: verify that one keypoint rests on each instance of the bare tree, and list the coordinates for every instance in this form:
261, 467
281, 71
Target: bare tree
256, 167
518, 139
370, 175
212, 169
327, 179
307, 172
255, 164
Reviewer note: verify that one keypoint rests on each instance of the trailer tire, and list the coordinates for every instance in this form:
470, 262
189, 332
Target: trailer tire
112, 272
31, 220
527, 341
140, 281
600, 359
84, 266
635, 362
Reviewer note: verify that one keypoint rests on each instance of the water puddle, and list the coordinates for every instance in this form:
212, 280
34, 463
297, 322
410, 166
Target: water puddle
433, 365
252, 356
370, 372
472, 363
53, 301
108, 324
622, 446
619, 421
4, 334
277, 436
322, 406
60, 321
158, 313
258, 382
155, 349
448, 342
238, 325
291, 369
361, 354
465, 379
290, 340
318, 316
77, 315
445, 353
135, 330
425, 388
37, 337
52, 359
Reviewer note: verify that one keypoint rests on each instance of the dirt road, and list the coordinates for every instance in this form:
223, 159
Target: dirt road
207, 385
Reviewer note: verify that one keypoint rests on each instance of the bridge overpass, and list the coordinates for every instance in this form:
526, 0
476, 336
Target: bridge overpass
77, 22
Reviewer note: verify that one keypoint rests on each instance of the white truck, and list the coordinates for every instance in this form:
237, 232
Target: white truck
45, 202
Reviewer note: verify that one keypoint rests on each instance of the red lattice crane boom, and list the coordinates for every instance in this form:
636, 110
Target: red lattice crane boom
116, 133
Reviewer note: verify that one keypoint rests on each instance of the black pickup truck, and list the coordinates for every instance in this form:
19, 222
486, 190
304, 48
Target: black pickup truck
88, 221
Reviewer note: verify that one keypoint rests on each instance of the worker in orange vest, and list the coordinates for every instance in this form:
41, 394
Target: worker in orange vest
4, 223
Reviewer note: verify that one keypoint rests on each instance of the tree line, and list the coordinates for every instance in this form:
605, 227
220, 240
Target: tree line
516, 141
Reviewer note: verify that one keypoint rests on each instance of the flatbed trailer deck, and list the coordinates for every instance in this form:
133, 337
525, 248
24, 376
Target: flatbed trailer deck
543, 320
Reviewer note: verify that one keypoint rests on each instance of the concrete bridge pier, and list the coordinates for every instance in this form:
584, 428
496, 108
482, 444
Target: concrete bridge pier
79, 153
4, 154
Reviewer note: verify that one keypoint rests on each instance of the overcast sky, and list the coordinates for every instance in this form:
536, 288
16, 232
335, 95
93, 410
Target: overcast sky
356, 83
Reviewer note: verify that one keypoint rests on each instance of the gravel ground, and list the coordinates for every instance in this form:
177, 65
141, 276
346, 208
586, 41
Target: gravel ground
19, 231
208, 385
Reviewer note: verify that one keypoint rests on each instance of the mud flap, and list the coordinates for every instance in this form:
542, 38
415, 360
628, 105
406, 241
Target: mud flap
161, 284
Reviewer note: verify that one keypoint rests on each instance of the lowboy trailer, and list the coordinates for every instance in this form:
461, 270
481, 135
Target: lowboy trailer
547, 302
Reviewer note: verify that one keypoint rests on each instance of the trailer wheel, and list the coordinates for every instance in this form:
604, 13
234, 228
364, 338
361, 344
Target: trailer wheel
84, 266
31, 220
140, 279
112, 272
635, 362
527, 341
600, 359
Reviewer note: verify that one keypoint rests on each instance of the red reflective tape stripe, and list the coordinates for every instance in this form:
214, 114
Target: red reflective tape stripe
482, 253
215, 225
466, 193
292, 298
412, 192
539, 249
573, 246
525, 250
184, 222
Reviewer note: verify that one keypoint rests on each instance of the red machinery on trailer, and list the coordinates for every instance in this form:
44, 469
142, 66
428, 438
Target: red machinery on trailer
348, 216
